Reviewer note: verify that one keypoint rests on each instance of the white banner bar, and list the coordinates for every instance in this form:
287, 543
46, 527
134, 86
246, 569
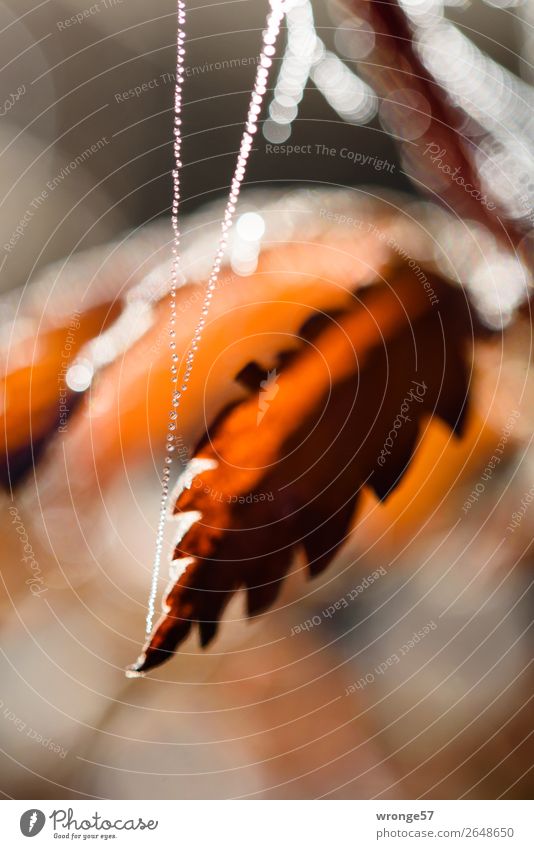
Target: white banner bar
269, 824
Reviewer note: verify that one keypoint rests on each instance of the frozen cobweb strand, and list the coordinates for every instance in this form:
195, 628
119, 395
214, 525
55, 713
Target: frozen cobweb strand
259, 89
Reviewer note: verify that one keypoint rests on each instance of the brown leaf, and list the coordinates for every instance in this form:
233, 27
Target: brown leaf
347, 413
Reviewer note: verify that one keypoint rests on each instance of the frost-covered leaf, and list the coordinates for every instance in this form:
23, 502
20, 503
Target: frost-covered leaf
346, 413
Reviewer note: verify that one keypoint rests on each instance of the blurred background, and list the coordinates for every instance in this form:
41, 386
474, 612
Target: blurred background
78, 74
269, 711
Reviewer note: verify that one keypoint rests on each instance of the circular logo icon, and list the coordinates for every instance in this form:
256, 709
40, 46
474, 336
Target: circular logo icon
32, 822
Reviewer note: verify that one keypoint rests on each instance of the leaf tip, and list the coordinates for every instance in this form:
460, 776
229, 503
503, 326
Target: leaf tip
136, 669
